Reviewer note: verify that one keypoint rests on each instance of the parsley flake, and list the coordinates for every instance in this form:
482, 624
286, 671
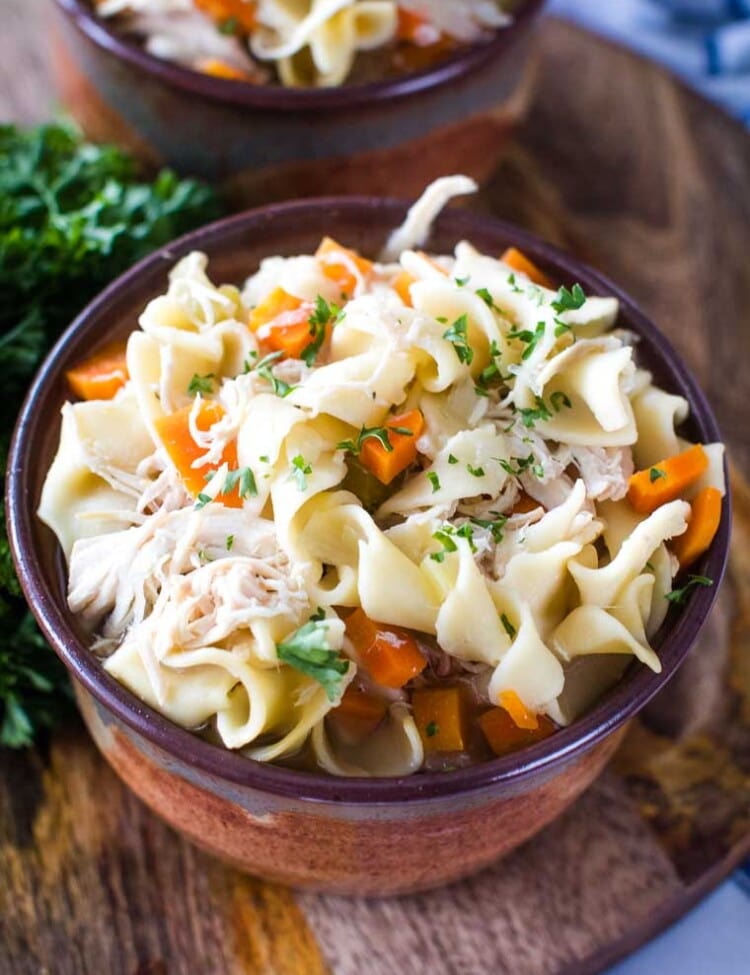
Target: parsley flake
508, 626
678, 596
655, 473
558, 399
452, 459
528, 337
230, 543
434, 481
513, 286
300, 472
263, 368
569, 300
475, 471
457, 335
376, 433
323, 314
308, 650
431, 729
202, 500
201, 384
494, 526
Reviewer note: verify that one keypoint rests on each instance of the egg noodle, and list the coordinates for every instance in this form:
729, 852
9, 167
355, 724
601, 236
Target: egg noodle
434, 442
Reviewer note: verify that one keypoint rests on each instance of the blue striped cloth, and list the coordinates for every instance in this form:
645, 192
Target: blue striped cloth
707, 42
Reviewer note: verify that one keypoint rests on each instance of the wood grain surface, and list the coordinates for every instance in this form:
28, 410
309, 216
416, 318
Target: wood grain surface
649, 183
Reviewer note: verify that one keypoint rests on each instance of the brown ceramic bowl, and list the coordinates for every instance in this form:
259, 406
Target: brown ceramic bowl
268, 142
367, 836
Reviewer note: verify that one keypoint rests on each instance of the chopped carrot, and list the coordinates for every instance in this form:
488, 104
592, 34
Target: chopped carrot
222, 69
519, 262
515, 707
277, 302
174, 432
503, 734
101, 376
524, 504
440, 716
241, 11
667, 480
389, 655
705, 515
359, 713
401, 286
341, 271
387, 464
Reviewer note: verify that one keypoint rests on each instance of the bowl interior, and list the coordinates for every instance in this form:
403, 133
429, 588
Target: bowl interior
235, 247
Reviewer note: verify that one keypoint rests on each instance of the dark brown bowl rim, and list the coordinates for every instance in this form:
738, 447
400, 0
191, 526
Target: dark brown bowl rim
342, 97
566, 745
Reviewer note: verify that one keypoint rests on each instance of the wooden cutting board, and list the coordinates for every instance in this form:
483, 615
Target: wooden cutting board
651, 184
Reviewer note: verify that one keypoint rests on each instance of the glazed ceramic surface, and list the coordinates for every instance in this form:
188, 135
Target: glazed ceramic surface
268, 142
349, 835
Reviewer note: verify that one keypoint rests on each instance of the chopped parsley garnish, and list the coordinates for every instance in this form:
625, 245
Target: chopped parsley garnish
523, 464
263, 368
508, 626
678, 596
201, 384
558, 399
561, 328
431, 729
444, 537
462, 282
569, 300
452, 459
244, 479
376, 433
495, 526
300, 472
321, 316
308, 650
487, 298
530, 416
457, 336
475, 471
229, 26
264, 459
434, 481
513, 286
534, 291
530, 338
202, 500
655, 473
230, 543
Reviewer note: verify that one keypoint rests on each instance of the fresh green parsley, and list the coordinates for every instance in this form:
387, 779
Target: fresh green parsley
494, 526
319, 320
376, 433
444, 537
230, 543
432, 729
434, 481
308, 650
229, 26
462, 282
301, 470
457, 335
529, 338
523, 465
569, 300
244, 479
201, 384
678, 596
508, 626
530, 416
558, 399
264, 369
655, 473
202, 500
487, 298
513, 286
475, 471
452, 459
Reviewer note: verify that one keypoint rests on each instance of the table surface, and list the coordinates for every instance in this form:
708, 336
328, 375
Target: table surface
620, 164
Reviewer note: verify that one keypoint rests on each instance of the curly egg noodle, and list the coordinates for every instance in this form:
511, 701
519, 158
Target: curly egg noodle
444, 465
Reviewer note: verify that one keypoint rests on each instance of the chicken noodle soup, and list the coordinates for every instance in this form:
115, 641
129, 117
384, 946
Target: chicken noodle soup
377, 515
300, 43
